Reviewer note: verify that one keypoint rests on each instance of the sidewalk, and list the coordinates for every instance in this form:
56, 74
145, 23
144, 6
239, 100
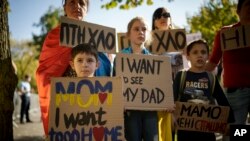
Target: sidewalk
29, 131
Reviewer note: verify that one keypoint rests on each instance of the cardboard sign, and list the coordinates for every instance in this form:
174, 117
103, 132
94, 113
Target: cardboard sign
176, 62
86, 109
123, 41
147, 81
199, 117
74, 32
163, 41
168, 41
235, 38
193, 36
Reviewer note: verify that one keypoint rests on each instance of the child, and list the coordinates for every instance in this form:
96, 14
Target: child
197, 54
139, 125
84, 60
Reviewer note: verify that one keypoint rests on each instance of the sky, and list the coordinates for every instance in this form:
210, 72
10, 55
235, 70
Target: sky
25, 13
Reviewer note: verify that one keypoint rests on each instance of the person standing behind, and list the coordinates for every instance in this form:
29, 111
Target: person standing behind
236, 67
162, 21
197, 54
139, 125
84, 60
54, 59
25, 90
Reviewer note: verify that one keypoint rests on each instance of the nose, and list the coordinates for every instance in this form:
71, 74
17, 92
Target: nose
84, 64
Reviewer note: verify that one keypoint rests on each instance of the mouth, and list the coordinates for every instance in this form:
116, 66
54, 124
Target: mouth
163, 22
141, 38
78, 13
200, 61
85, 71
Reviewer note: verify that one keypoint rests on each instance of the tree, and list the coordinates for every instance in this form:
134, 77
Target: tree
8, 78
212, 16
24, 55
47, 22
127, 5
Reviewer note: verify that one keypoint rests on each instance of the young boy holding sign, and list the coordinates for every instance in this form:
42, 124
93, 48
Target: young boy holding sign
84, 60
194, 86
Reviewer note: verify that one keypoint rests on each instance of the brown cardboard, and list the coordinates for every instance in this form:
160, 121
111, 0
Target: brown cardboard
235, 38
145, 89
173, 40
200, 117
96, 102
74, 32
123, 41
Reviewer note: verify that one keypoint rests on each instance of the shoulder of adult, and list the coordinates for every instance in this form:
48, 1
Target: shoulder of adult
52, 38
54, 32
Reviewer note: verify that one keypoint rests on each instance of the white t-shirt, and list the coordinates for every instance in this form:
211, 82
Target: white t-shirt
25, 86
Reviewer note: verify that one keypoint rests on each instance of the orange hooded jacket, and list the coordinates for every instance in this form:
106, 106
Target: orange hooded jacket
54, 60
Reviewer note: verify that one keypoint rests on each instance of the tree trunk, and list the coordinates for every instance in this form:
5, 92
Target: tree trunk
8, 78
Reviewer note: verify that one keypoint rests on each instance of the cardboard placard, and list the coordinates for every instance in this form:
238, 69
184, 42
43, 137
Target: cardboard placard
123, 41
147, 81
86, 109
173, 40
74, 32
168, 41
193, 36
176, 62
200, 117
235, 38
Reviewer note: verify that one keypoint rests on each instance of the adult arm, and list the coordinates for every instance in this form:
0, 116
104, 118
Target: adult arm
53, 61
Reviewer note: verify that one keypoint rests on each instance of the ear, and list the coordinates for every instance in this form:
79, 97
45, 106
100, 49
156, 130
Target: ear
188, 57
72, 65
97, 65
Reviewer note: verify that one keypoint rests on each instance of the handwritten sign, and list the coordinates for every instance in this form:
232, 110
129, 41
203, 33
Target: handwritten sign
74, 32
168, 41
86, 109
199, 117
123, 41
193, 36
163, 41
235, 38
176, 62
147, 81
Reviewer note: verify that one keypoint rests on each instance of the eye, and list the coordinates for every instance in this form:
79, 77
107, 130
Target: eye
203, 52
82, 3
195, 52
90, 60
79, 60
144, 29
72, 2
136, 29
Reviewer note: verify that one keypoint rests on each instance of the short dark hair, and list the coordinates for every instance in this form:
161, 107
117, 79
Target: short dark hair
26, 76
84, 48
199, 41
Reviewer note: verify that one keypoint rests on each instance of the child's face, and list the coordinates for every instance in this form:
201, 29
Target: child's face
198, 56
137, 34
84, 65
